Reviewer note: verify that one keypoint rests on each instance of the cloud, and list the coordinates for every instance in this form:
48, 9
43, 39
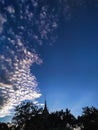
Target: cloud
17, 83
21, 28
5, 85
10, 9
22, 83
2, 21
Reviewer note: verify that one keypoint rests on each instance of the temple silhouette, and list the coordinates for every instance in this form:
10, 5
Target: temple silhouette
45, 112
41, 119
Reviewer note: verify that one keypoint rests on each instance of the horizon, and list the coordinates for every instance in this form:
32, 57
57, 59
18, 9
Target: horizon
8, 119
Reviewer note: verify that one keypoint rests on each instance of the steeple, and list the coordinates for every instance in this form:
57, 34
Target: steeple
45, 110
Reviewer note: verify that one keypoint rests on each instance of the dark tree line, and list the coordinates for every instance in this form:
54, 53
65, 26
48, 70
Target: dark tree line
30, 117
89, 118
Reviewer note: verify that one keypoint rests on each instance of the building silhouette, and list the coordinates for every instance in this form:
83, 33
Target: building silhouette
45, 112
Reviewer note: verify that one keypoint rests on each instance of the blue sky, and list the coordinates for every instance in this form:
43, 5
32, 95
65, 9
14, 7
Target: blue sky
68, 76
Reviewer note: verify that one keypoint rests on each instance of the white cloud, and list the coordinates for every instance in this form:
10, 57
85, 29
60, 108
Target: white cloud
2, 21
23, 84
10, 9
17, 83
2, 85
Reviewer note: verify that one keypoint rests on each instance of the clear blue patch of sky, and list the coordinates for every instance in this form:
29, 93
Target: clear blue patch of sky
69, 71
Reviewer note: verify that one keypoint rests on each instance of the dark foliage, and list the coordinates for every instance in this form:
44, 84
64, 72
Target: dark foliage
29, 117
89, 118
3, 126
24, 112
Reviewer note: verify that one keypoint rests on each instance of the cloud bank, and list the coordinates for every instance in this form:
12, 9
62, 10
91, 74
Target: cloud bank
23, 26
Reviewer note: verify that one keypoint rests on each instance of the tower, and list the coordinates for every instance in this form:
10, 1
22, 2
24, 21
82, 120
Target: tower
45, 110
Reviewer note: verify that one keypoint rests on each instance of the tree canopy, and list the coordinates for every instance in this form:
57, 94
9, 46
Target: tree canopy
28, 116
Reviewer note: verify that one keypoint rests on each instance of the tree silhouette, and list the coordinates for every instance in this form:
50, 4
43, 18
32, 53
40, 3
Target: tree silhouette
89, 118
68, 117
29, 117
25, 111
3, 126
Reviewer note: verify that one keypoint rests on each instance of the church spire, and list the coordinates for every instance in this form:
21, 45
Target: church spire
45, 107
45, 110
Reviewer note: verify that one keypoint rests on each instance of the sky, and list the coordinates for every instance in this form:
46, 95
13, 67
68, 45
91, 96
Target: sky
48, 49
68, 77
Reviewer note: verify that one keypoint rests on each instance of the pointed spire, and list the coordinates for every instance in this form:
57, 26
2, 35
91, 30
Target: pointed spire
45, 110
45, 105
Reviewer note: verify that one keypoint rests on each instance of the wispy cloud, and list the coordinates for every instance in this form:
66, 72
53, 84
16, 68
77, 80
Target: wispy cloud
2, 21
